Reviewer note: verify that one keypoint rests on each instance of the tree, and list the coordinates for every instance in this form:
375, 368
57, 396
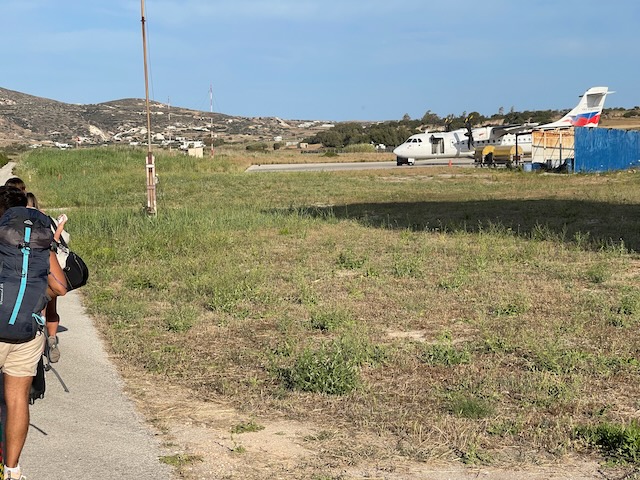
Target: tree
330, 138
430, 118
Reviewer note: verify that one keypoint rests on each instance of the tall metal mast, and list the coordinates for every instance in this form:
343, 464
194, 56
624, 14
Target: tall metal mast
150, 165
211, 119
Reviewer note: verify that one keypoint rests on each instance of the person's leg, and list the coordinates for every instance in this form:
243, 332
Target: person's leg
53, 321
16, 395
19, 367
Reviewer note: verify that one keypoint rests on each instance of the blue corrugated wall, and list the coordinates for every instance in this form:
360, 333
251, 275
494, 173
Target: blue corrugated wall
602, 149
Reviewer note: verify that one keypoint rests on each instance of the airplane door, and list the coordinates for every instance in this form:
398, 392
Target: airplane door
437, 145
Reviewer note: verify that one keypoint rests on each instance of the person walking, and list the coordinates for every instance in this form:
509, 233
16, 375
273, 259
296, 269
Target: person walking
19, 359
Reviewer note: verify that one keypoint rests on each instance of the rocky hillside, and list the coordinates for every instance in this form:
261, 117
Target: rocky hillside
26, 119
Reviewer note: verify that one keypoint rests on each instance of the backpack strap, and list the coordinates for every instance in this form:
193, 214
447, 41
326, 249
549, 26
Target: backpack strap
39, 319
26, 250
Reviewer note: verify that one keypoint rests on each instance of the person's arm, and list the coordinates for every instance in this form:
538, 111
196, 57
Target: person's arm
57, 282
62, 219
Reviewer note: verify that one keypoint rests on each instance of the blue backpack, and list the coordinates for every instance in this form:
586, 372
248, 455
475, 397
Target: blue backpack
25, 243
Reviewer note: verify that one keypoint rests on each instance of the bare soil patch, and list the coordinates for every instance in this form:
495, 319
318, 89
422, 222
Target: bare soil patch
201, 432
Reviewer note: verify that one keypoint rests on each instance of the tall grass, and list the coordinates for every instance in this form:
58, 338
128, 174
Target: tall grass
413, 304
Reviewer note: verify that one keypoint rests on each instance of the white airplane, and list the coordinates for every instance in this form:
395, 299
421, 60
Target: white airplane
464, 141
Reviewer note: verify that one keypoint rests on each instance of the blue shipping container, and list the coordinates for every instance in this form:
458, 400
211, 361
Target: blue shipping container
603, 149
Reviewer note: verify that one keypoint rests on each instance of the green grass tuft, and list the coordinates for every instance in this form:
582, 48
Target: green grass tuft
620, 443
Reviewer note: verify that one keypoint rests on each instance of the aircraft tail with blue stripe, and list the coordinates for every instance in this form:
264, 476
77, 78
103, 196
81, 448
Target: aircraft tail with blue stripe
586, 113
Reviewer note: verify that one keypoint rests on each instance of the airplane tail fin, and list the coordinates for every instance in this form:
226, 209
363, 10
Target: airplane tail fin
587, 112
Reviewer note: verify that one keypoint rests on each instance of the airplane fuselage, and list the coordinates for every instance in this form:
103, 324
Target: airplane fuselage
455, 144
485, 136
433, 145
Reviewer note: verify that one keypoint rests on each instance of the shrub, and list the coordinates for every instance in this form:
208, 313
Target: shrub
4, 159
359, 148
619, 442
333, 367
330, 369
598, 273
257, 147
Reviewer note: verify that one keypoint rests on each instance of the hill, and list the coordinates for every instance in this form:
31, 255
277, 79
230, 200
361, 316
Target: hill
31, 120
27, 119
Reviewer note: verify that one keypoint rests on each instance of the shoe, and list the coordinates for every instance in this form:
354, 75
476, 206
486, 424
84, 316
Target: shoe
54, 351
8, 474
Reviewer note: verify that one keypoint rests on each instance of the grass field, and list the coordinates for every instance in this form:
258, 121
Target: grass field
441, 313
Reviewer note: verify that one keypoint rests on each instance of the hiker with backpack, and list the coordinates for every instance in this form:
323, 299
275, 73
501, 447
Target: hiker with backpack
30, 276
51, 315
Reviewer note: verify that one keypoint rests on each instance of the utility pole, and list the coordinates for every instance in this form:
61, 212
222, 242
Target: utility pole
150, 165
211, 120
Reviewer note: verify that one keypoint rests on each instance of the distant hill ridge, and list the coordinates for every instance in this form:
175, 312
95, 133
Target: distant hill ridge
30, 119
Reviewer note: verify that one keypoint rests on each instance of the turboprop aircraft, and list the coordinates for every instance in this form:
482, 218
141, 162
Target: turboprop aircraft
464, 141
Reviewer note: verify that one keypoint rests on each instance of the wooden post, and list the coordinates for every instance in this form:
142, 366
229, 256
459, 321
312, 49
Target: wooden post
150, 164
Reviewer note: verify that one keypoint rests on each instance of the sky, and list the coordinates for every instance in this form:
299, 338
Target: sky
332, 60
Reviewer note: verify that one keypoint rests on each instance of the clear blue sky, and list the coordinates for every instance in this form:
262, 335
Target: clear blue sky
326, 60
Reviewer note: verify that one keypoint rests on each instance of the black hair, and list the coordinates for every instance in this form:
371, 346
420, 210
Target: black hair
16, 182
11, 197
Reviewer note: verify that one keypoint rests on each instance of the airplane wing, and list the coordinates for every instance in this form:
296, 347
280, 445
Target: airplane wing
516, 128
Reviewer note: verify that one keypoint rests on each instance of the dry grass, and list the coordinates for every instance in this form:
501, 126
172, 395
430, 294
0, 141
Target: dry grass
241, 156
484, 316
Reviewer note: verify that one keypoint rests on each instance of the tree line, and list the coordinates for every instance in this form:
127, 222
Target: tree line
393, 133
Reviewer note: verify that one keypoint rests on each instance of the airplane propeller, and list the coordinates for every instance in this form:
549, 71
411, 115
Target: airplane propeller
447, 124
467, 124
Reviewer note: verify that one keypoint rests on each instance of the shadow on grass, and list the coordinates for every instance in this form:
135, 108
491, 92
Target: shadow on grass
589, 224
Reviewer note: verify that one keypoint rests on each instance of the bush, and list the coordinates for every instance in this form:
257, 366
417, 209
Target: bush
330, 369
333, 367
619, 442
3, 159
359, 148
257, 147
13, 149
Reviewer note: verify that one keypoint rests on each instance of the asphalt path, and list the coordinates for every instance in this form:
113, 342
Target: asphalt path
85, 426
339, 166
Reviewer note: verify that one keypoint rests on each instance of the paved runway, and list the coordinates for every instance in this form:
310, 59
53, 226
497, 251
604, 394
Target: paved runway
336, 166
